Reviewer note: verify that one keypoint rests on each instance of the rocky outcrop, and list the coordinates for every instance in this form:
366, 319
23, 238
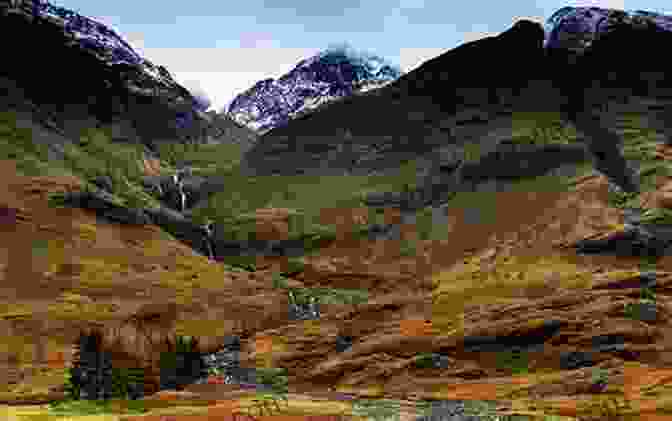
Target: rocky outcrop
102, 79
328, 76
105, 206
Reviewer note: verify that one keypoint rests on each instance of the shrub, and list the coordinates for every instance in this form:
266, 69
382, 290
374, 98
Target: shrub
515, 360
424, 360
279, 281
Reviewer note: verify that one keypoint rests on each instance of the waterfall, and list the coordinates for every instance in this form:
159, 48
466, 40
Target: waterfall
208, 228
177, 182
183, 198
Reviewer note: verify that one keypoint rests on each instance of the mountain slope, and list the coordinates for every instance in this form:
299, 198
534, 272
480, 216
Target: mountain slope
116, 88
455, 101
337, 72
529, 288
409, 117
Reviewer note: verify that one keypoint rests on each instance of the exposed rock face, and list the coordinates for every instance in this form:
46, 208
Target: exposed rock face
576, 28
330, 75
105, 207
103, 81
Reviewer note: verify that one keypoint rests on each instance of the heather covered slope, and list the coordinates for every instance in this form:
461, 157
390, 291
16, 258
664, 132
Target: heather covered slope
164, 271
516, 246
530, 286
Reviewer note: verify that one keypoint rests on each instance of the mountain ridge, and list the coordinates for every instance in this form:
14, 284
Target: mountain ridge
328, 75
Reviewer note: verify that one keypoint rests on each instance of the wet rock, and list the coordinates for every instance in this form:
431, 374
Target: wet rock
105, 207
226, 362
525, 339
307, 310
645, 240
104, 182
644, 311
182, 228
343, 343
575, 359
608, 343
441, 361
457, 410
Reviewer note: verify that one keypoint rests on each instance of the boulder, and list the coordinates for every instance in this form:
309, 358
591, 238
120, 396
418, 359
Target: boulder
638, 239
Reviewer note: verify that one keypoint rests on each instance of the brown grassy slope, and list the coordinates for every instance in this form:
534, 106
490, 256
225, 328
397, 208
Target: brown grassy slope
140, 267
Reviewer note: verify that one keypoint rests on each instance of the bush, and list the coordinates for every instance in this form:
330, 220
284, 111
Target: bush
424, 360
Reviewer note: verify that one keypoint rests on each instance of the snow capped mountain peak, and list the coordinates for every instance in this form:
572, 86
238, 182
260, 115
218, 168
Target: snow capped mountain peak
338, 71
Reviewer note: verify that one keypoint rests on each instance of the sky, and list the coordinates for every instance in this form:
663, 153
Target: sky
221, 48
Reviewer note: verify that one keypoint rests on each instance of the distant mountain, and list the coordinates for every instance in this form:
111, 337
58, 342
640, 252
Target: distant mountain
337, 72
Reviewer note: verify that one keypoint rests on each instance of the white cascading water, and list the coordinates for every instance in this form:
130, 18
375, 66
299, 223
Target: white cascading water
208, 239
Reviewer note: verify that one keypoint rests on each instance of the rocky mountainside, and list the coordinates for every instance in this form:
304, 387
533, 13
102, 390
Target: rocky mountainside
330, 75
454, 101
189, 288
116, 88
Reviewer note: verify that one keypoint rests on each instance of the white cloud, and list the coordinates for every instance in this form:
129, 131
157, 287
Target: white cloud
605, 4
220, 87
226, 72
222, 73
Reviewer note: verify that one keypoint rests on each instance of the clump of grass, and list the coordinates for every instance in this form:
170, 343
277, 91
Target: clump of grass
609, 407
378, 409
620, 199
329, 295
659, 216
424, 360
514, 360
407, 248
279, 281
97, 407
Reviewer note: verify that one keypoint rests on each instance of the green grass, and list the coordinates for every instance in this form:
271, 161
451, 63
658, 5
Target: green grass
211, 159
92, 155
16, 144
377, 409
514, 360
330, 295
232, 209
310, 195
99, 407
424, 360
